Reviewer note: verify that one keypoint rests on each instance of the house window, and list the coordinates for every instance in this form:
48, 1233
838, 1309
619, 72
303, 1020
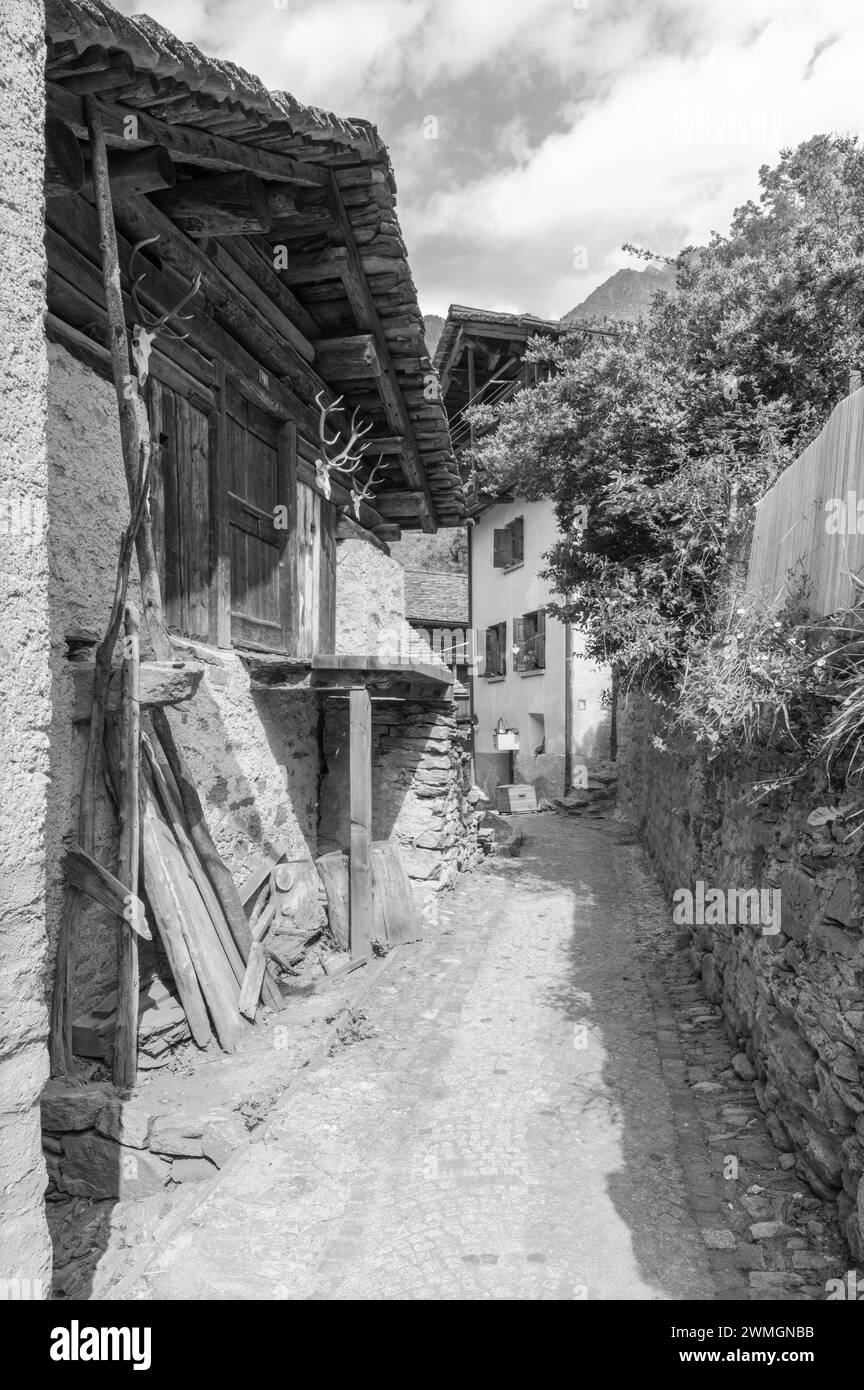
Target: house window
496, 650
529, 642
508, 547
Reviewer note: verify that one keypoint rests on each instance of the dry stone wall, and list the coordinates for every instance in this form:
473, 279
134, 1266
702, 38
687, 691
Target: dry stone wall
793, 998
420, 786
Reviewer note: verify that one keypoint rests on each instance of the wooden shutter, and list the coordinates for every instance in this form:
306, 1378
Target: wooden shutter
491, 651
180, 508
541, 638
502, 544
261, 472
517, 528
519, 642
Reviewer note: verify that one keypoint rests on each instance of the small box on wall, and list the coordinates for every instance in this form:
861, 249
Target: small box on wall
507, 741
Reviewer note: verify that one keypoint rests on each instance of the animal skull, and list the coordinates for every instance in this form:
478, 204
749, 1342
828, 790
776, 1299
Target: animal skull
142, 343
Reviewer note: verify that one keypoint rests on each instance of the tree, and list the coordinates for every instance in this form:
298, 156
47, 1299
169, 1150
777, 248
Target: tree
670, 430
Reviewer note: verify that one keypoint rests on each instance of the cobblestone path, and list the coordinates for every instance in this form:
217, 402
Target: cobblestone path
506, 1131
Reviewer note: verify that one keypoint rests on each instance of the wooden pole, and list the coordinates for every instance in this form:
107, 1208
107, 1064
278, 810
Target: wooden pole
126, 1035
134, 424
135, 441
360, 757
60, 1033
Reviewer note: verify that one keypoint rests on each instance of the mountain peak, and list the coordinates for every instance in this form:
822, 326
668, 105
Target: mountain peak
625, 295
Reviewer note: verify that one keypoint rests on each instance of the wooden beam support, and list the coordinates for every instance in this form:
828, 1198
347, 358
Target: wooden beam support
139, 171
315, 267
119, 71
393, 505
64, 162
218, 205
385, 444
450, 365
348, 359
360, 758
130, 127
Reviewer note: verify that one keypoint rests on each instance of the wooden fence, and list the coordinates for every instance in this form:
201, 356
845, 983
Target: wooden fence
808, 521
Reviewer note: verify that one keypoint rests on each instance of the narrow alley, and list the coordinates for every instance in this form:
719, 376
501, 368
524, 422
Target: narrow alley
505, 1124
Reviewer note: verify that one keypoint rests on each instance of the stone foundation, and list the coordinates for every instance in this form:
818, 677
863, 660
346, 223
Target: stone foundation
793, 1000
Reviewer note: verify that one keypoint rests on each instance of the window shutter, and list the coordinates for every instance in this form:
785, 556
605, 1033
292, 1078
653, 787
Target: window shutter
491, 657
501, 548
518, 544
519, 643
541, 638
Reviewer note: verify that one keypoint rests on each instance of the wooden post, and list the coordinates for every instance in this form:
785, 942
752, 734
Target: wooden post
134, 425
360, 754
126, 1036
289, 575
472, 383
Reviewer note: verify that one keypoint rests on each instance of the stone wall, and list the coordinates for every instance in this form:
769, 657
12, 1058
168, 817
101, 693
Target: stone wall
420, 782
793, 1000
25, 1251
370, 600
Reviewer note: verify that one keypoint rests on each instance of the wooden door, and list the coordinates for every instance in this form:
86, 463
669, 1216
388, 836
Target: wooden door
262, 501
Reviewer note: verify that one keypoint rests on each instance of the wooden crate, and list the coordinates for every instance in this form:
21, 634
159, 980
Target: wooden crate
515, 800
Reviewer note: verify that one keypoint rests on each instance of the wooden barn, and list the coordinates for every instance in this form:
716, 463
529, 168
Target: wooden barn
241, 415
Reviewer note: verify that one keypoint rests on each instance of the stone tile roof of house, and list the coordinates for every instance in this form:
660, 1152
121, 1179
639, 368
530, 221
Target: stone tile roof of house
177, 85
436, 596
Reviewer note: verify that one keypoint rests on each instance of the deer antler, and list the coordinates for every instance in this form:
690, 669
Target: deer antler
364, 494
347, 460
146, 329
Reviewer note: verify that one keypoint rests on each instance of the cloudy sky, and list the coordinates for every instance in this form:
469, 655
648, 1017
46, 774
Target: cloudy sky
531, 138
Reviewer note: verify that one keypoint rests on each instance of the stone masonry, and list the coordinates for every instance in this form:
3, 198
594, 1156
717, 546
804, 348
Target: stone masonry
793, 1001
420, 785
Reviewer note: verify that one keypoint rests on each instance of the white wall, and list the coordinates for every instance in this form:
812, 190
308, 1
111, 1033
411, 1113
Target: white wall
499, 595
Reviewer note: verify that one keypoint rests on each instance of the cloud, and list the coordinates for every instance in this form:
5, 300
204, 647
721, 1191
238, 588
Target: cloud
559, 127
817, 53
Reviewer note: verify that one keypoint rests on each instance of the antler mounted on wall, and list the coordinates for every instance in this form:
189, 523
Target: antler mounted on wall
144, 332
364, 494
347, 460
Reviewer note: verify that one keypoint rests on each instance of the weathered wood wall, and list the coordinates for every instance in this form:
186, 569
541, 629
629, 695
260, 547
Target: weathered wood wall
797, 527
281, 586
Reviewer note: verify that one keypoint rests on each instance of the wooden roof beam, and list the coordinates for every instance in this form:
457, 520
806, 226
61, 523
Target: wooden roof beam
451, 364
130, 128
368, 321
348, 359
